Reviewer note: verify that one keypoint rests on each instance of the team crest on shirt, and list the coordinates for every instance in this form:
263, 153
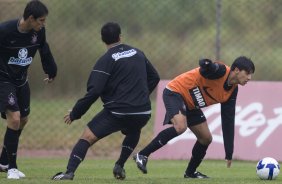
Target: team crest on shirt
34, 38
11, 99
22, 59
22, 53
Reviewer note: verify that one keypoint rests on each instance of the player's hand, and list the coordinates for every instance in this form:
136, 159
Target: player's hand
228, 163
48, 80
67, 118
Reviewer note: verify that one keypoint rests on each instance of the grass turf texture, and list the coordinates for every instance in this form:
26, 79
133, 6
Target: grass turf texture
39, 171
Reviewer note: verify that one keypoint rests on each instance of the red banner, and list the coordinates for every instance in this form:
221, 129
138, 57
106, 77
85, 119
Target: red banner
258, 125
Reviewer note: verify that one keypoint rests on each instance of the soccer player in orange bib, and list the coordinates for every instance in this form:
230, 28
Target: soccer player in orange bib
185, 95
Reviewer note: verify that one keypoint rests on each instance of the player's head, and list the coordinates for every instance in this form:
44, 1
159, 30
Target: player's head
35, 13
242, 70
36, 9
110, 33
243, 63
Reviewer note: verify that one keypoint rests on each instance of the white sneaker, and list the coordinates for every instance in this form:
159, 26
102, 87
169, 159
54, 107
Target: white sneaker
13, 174
21, 174
3, 168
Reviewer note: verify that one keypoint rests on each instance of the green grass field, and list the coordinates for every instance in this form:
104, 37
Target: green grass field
39, 171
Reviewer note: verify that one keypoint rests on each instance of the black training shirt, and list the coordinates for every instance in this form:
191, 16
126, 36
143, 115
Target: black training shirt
124, 78
17, 51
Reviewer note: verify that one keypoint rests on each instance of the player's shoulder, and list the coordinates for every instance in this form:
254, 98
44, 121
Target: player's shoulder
9, 25
134, 48
105, 59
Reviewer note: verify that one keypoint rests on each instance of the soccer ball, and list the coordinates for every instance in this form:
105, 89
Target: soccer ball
268, 168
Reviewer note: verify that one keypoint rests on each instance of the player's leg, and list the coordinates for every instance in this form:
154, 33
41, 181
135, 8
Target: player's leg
23, 103
11, 141
80, 149
132, 130
4, 157
175, 114
23, 99
204, 138
96, 129
10, 111
77, 155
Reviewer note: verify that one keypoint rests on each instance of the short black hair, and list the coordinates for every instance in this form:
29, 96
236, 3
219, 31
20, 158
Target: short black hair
243, 63
110, 33
35, 8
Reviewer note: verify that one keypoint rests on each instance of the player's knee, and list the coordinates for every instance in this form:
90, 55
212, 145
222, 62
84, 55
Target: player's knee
89, 136
131, 132
180, 123
180, 128
206, 140
13, 120
209, 140
23, 122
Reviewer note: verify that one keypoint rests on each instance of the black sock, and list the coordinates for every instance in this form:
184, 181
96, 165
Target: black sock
128, 145
11, 141
162, 138
198, 153
20, 132
77, 155
4, 156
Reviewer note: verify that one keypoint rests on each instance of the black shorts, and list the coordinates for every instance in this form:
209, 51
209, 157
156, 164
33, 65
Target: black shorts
14, 99
106, 123
174, 103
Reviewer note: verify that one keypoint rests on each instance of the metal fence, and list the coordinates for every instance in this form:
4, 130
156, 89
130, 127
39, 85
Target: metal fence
174, 34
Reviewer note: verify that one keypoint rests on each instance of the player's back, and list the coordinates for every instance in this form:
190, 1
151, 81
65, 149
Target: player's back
127, 86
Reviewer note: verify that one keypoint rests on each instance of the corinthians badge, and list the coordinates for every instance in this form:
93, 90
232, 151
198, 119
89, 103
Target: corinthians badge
34, 38
11, 99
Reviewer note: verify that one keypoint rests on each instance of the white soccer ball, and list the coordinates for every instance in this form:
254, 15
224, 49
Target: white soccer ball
268, 168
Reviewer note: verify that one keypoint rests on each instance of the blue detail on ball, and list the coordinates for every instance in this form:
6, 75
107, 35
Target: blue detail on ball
271, 169
260, 165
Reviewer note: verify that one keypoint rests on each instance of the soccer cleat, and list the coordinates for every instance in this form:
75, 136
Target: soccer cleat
13, 174
141, 162
63, 176
196, 175
119, 172
21, 174
3, 168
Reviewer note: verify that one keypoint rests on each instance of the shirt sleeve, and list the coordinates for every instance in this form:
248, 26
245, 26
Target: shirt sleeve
95, 86
47, 60
228, 124
152, 76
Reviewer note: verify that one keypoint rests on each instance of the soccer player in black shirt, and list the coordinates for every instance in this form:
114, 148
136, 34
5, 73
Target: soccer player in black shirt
123, 78
19, 41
